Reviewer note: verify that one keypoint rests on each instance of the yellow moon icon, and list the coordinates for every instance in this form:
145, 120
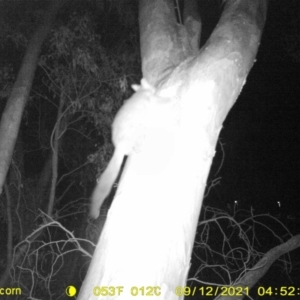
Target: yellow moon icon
71, 291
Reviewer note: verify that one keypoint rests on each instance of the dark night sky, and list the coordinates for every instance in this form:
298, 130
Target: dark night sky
261, 135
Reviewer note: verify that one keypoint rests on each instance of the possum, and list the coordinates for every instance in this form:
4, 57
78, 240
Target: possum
127, 128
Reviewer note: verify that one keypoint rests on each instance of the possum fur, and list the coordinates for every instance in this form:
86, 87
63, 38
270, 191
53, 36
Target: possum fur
128, 126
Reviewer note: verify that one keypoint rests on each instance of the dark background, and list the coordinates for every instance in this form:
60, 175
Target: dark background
261, 135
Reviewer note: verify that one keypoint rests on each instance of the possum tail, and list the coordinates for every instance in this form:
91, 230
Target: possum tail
105, 183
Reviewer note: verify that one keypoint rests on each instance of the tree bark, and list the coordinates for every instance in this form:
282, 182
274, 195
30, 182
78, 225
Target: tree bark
44, 183
56, 135
12, 115
149, 233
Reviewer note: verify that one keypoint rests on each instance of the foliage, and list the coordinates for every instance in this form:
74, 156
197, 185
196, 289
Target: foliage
43, 256
81, 67
227, 246
92, 84
46, 253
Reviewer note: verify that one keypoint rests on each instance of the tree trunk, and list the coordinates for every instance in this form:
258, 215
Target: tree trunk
55, 137
12, 114
44, 183
150, 229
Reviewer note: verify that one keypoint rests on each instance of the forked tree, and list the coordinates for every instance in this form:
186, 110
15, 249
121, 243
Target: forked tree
169, 133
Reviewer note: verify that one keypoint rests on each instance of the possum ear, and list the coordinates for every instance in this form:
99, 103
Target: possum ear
135, 87
144, 85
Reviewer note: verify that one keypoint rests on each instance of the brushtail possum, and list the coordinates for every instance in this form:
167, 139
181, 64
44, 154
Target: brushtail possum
128, 126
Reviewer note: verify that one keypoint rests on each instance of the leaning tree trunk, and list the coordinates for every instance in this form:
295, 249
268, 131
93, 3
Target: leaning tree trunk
149, 234
12, 114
